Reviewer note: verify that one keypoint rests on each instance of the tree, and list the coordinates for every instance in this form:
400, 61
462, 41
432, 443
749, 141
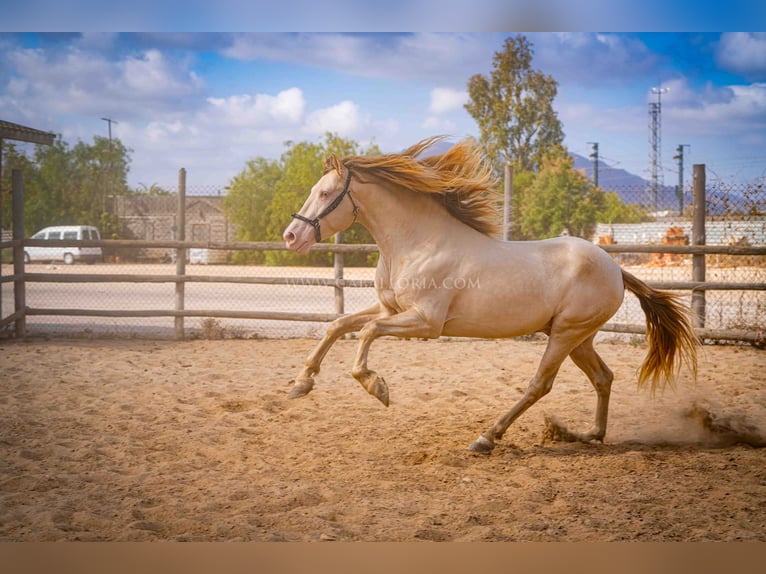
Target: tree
522, 183
12, 159
74, 185
248, 204
514, 108
153, 190
614, 210
559, 201
264, 195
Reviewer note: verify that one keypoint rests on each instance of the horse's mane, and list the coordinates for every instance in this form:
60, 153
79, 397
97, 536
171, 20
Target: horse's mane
459, 178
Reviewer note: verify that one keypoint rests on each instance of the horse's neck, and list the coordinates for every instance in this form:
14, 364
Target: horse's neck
399, 219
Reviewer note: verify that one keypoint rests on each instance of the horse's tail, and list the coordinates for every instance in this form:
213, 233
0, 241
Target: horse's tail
669, 332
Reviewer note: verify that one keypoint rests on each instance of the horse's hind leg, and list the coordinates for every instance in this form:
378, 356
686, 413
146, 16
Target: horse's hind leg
557, 350
601, 377
348, 324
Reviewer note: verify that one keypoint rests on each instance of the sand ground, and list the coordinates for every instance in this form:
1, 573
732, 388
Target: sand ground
129, 440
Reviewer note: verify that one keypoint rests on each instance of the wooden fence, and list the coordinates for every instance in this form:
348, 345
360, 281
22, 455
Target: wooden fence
698, 285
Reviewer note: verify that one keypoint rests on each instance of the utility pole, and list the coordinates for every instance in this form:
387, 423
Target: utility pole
655, 141
594, 157
110, 121
680, 187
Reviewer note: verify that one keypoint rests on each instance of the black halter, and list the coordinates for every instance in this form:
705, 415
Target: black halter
330, 208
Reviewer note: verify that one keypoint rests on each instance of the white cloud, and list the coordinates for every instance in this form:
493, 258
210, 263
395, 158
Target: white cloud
152, 75
588, 58
75, 81
166, 132
439, 125
680, 94
286, 108
726, 111
444, 100
97, 40
743, 53
343, 118
423, 56
734, 112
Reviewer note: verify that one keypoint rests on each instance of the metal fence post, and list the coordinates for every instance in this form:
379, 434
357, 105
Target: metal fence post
698, 238
338, 266
19, 284
180, 252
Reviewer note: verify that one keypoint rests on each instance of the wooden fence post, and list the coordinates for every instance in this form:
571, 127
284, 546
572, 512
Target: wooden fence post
338, 267
507, 206
1, 224
19, 286
180, 252
698, 238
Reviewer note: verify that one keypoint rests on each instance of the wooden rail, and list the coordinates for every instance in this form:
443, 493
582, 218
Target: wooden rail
367, 247
337, 283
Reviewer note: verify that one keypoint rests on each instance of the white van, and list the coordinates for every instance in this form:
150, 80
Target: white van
66, 254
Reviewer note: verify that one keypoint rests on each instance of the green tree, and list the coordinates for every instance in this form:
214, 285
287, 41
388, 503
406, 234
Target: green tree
153, 190
513, 108
522, 183
248, 204
12, 159
75, 185
559, 201
614, 210
264, 195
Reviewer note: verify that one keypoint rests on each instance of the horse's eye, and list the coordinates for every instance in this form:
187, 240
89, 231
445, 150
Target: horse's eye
324, 194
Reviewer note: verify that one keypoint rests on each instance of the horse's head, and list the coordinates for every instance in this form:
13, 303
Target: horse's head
328, 209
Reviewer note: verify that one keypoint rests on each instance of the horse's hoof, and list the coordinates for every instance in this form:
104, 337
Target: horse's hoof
379, 390
300, 388
482, 445
374, 385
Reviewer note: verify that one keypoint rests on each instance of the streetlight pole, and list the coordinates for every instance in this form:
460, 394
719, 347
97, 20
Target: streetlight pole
109, 122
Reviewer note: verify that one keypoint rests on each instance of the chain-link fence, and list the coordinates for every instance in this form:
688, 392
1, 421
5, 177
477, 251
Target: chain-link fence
222, 298
735, 218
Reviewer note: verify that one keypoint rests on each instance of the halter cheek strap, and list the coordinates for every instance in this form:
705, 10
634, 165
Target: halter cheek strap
330, 208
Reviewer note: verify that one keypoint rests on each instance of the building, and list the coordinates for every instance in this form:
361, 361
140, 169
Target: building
155, 218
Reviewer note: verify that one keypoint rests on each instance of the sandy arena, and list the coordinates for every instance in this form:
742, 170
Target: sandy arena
120, 440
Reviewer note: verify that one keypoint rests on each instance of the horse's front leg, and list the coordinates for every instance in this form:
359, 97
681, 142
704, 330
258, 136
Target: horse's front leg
410, 323
341, 326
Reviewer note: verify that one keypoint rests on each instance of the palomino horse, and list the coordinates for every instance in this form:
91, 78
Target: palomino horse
442, 272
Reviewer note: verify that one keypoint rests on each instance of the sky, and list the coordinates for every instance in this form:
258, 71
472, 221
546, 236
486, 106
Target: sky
210, 101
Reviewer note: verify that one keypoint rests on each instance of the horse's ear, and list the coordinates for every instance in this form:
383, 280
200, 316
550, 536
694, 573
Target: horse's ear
332, 162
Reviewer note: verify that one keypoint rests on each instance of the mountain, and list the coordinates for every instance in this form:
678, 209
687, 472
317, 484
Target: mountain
629, 187
438, 148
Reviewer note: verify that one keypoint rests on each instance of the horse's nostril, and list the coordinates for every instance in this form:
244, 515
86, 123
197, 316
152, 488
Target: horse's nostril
289, 236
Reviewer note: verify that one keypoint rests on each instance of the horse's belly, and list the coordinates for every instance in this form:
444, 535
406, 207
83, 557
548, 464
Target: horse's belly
495, 322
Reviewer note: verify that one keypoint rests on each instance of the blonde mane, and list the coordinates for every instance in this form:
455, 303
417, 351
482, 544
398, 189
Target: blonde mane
460, 179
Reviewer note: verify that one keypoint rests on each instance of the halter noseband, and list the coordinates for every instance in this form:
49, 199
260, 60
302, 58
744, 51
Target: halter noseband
330, 208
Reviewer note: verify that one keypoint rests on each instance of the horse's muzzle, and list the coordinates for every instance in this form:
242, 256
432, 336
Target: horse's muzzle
297, 239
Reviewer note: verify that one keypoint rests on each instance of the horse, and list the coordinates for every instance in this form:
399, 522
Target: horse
443, 271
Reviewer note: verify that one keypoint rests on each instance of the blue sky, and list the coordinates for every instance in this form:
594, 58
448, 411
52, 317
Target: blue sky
211, 101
